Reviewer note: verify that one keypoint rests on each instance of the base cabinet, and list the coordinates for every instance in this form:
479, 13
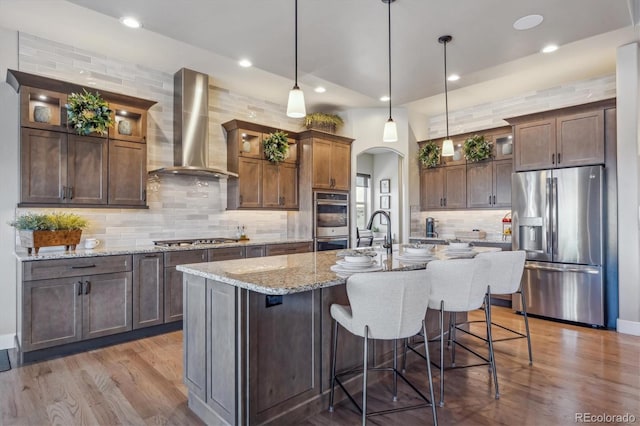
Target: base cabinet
148, 290
173, 280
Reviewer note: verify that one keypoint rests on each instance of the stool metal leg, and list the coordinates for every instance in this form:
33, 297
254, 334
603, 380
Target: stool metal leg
492, 359
395, 370
404, 355
364, 375
441, 353
333, 364
429, 376
526, 323
452, 337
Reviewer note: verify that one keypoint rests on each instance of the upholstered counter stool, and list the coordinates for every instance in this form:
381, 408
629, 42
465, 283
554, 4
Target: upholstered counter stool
505, 277
386, 306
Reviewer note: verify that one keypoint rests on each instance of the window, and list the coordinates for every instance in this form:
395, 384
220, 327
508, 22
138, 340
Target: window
363, 200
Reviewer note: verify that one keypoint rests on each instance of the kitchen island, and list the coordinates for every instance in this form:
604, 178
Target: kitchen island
257, 336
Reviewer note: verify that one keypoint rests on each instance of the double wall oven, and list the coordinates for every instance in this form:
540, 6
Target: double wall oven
331, 220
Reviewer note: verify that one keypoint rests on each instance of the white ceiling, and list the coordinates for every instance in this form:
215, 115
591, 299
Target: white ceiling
343, 44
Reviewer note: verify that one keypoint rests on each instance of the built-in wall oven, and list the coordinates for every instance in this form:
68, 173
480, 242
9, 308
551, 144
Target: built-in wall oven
331, 220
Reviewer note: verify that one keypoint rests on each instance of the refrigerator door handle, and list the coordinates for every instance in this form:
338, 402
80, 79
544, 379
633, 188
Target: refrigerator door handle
583, 269
554, 216
547, 224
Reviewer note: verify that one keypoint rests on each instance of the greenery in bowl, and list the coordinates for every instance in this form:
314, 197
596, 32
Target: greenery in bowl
477, 148
276, 147
323, 121
429, 154
49, 222
88, 112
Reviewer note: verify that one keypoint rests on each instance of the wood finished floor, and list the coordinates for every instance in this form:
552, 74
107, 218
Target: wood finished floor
575, 370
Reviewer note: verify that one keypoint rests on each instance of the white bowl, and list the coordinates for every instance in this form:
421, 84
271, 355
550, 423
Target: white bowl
424, 250
365, 258
458, 246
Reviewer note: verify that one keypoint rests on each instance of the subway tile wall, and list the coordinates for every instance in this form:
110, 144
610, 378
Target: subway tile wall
448, 222
179, 206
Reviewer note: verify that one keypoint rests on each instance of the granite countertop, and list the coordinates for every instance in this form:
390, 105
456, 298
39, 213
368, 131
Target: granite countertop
22, 255
294, 273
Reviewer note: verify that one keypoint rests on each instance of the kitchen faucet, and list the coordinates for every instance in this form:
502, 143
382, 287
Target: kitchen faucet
388, 242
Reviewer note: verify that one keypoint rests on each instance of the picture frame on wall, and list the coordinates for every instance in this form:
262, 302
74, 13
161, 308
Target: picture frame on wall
385, 202
385, 186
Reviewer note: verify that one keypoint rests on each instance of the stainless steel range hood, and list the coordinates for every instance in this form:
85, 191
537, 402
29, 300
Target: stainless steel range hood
191, 127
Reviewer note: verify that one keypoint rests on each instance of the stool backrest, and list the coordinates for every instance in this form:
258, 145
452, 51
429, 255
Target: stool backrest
506, 270
460, 283
393, 304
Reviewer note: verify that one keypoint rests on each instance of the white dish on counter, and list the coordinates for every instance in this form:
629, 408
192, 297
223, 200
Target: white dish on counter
415, 259
418, 250
355, 266
339, 269
363, 258
459, 246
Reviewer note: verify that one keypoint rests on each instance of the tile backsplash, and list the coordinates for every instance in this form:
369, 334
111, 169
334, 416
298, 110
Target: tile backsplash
179, 206
448, 222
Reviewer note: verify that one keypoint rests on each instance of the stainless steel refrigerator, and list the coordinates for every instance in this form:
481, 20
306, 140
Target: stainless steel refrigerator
557, 219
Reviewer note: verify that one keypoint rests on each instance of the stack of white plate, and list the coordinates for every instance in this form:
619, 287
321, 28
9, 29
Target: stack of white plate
353, 264
416, 254
459, 250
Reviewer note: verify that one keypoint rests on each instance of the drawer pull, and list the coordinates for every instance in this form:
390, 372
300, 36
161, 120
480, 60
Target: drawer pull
87, 287
83, 267
79, 288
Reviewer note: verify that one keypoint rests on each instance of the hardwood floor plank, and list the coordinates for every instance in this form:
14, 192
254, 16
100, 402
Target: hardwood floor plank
575, 370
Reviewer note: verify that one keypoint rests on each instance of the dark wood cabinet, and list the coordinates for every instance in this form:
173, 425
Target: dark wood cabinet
127, 173
489, 184
568, 137
331, 164
288, 248
148, 289
61, 168
246, 190
226, 253
443, 188
173, 280
68, 300
280, 185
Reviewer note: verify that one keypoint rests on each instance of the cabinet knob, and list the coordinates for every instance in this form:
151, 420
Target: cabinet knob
240, 200
64, 192
553, 158
489, 199
494, 200
87, 287
79, 288
71, 192
559, 157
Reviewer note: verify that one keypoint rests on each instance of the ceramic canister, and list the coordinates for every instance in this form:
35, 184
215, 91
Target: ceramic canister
124, 127
41, 114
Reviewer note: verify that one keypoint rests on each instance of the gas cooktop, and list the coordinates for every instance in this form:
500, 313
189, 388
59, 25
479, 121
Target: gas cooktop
193, 241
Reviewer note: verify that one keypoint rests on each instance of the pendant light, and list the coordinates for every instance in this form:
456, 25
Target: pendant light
447, 144
390, 133
295, 106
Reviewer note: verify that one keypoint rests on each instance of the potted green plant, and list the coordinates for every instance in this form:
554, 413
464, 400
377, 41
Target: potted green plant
323, 121
88, 113
49, 229
429, 154
477, 148
276, 147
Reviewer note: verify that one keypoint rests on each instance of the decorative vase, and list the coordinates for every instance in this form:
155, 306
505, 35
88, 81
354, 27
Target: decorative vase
41, 114
457, 155
124, 127
36, 239
507, 148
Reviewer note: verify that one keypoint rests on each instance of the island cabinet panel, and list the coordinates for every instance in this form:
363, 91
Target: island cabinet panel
148, 289
43, 158
127, 173
173, 280
283, 351
194, 335
106, 307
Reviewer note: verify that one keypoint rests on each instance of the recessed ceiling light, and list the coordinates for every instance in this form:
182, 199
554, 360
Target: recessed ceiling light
130, 22
245, 63
550, 48
528, 22
453, 77
319, 89
384, 98
42, 97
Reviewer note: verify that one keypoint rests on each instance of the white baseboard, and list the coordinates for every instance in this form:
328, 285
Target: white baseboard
628, 327
7, 341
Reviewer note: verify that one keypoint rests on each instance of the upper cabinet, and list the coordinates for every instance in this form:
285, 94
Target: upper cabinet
261, 184
567, 137
330, 159
60, 168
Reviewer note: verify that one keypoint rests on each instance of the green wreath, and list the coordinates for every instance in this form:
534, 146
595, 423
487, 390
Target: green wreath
276, 147
88, 113
429, 154
477, 148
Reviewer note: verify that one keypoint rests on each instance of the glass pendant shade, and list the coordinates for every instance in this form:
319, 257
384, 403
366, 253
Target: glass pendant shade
447, 148
390, 133
295, 106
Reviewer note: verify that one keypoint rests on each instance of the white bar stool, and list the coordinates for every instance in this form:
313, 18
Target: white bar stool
386, 306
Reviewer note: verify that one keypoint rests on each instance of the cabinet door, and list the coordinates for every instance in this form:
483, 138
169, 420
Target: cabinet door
250, 194
52, 313
271, 196
502, 183
173, 280
431, 189
254, 251
322, 164
455, 187
293, 151
288, 186
106, 304
535, 145
480, 184
580, 139
87, 170
226, 253
148, 289
43, 166
341, 166
127, 173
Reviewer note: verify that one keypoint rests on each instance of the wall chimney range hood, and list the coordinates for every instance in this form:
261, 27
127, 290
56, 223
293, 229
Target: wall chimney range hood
191, 127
